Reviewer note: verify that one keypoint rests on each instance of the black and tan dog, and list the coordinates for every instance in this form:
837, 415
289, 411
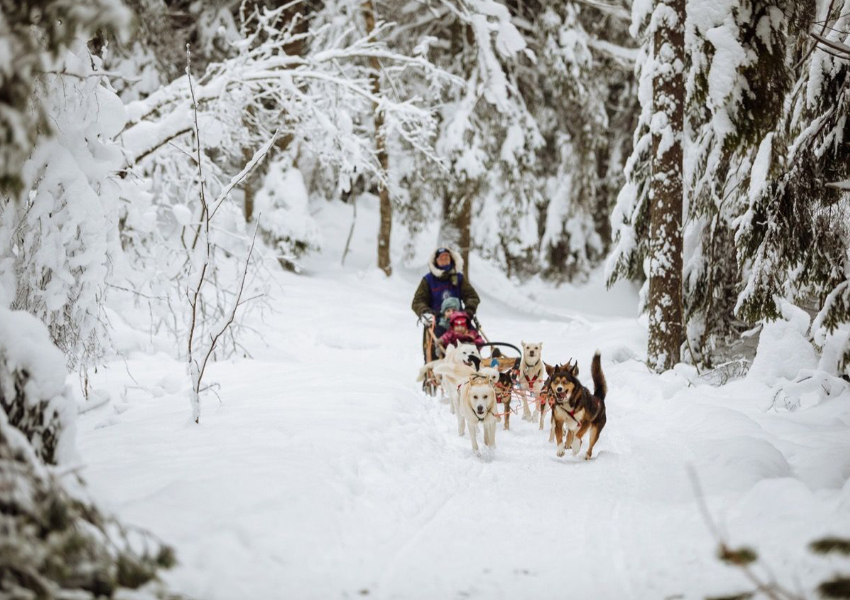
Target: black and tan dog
547, 395
503, 387
576, 408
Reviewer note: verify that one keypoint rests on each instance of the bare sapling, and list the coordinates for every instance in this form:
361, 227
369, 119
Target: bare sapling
202, 339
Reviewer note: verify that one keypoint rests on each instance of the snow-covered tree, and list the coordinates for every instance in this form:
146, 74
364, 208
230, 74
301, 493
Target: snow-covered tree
737, 80
578, 86
527, 131
57, 242
58, 216
35, 36
793, 235
648, 217
54, 541
666, 192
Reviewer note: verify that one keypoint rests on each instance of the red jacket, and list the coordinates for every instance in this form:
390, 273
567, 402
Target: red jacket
450, 338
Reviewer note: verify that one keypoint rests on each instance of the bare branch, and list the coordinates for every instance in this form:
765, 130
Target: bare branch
215, 337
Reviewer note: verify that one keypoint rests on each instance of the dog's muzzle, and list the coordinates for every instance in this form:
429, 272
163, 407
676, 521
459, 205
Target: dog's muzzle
480, 410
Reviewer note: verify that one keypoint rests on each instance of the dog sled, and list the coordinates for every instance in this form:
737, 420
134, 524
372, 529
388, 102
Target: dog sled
498, 359
513, 388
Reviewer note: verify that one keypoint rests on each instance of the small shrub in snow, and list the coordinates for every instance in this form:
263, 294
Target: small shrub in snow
282, 203
54, 542
32, 385
784, 348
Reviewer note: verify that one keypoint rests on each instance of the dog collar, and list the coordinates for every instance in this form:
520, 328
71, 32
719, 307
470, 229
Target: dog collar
484, 417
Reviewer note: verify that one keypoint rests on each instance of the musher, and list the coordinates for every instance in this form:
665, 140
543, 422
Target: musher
443, 280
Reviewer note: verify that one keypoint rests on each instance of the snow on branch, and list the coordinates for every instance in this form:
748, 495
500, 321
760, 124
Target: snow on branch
296, 95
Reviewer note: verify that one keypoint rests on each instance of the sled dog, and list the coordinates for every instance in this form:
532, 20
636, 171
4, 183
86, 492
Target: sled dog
548, 394
460, 362
503, 387
477, 404
454, 354
576, 408
531, 377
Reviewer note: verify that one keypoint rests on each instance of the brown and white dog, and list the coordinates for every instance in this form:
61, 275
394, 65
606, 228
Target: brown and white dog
477, 405
576, 408
547, 395
531, 376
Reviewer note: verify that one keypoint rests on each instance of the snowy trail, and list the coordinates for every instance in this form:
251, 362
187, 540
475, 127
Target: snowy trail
325, 473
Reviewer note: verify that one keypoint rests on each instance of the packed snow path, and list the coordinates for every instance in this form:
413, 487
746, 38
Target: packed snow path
323, 472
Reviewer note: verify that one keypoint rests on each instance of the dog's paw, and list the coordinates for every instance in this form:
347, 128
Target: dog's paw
576, 446
561, 450
587, 456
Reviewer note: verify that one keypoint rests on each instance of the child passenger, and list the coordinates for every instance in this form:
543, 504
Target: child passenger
449, 306
461, 332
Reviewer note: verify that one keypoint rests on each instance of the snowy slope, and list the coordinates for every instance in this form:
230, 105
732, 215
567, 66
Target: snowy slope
322, 472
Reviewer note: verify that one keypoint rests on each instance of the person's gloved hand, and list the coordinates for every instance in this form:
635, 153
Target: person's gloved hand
427, 318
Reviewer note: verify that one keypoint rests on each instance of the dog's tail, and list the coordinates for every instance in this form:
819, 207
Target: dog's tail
600, 386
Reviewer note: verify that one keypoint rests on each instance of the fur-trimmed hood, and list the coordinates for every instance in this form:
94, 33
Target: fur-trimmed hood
437, 271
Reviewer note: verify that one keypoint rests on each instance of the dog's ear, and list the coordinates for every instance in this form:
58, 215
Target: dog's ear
550, 369
572, 367
522, 344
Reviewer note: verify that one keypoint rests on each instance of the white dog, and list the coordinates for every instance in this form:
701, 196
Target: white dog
458, 364
532, 376
477, 404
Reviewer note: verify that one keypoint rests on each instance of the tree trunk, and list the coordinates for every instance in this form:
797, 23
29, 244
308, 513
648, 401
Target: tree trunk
456, 222
464, 223
386, 226
666, 190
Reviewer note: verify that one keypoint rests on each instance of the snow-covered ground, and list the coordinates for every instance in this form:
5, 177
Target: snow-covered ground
323, 472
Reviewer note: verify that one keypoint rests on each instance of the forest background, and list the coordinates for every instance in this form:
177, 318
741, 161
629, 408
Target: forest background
153, 152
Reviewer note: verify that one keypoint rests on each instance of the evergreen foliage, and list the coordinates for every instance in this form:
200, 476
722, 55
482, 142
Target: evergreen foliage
765, 114
36, 35
54, 542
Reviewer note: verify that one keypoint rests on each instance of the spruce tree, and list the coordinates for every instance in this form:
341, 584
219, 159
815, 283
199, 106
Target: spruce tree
666, 192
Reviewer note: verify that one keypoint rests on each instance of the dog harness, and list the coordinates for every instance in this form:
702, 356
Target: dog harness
565, 409
531, 381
